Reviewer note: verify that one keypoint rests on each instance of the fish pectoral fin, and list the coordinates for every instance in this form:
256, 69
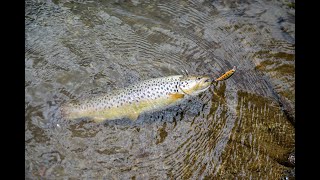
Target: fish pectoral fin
176, 96
98, 119
133, 116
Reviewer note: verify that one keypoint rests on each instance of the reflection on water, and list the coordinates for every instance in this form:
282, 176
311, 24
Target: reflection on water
241, 128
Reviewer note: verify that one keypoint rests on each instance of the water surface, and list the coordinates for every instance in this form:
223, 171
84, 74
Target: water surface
242, 128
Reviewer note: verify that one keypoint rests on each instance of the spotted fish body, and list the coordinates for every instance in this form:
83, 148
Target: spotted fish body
149, 95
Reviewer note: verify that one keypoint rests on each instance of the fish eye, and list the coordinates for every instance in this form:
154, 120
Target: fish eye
199, 78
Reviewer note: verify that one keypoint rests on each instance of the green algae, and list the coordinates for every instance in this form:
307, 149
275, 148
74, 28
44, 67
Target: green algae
79, 130
162, 133
274, 139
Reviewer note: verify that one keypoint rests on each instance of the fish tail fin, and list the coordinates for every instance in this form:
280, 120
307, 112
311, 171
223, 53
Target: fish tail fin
65, 111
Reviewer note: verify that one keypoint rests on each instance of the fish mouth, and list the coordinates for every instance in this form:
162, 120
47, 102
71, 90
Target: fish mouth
204, 89
208, 80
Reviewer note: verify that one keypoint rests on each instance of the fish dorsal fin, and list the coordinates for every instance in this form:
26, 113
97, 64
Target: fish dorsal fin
176, 96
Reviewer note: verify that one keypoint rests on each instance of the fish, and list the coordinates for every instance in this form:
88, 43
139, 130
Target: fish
145, 96
226, 75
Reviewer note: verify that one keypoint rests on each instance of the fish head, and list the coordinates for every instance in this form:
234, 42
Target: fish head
194, 85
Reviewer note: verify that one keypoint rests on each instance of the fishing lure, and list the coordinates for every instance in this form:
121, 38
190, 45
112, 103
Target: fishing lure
226, 75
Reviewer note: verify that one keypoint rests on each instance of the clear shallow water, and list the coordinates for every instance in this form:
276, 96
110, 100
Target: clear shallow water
242, 128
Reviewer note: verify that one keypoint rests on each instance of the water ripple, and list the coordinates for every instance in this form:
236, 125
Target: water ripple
240, 128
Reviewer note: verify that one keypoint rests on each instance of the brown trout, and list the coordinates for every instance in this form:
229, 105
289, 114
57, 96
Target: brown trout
146, 96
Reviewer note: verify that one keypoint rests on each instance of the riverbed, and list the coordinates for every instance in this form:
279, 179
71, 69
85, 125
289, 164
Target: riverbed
241, 128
